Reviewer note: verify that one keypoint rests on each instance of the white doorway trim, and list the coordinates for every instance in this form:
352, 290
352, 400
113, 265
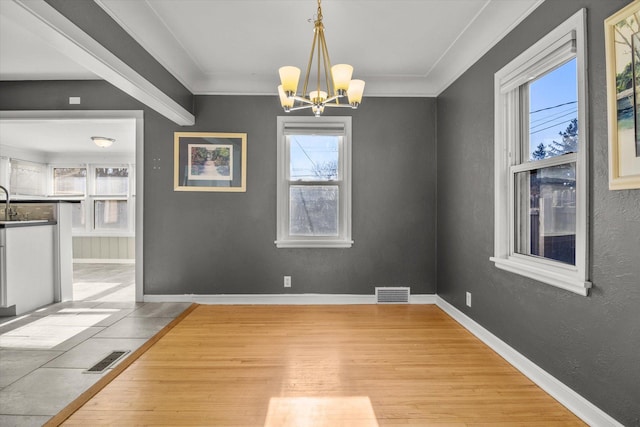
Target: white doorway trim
107, 114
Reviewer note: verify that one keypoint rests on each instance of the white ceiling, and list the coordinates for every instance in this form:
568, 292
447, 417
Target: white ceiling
24, 56
68, 136
399, 47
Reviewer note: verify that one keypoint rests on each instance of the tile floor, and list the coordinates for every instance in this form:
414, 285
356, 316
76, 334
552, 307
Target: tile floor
44, 354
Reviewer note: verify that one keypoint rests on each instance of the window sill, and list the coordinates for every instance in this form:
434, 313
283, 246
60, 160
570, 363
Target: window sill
314, 244
542, 273
75, 233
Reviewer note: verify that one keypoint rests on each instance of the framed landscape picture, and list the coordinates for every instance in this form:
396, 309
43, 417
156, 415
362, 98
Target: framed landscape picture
210, 161
622, 40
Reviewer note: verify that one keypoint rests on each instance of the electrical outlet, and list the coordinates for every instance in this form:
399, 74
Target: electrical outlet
468, 299
287, 281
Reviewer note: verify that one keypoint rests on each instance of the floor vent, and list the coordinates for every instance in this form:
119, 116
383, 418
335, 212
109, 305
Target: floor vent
392, 295
105, 363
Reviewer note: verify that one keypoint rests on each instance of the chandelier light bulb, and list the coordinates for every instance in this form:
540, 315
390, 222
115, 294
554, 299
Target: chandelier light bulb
341, 77
355, 91
285, 101
289, 77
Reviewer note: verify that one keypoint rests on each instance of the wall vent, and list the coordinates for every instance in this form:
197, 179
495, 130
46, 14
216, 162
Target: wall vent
392, 295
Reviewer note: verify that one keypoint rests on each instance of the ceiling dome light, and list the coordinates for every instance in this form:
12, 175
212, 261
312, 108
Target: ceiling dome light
102, 142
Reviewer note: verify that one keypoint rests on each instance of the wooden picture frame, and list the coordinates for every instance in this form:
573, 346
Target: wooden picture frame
622, 43
205, 161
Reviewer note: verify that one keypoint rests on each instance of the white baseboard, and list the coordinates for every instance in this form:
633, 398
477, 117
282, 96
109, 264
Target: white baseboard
104, 261
282, 299
577, 404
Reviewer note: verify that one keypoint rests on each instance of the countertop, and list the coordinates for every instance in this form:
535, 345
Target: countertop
29, 223
18, 201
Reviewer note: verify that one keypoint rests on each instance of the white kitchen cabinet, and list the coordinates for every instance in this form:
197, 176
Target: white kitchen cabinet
27, 267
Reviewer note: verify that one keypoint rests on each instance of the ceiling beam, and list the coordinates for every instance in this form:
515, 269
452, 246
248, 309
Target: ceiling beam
62, 34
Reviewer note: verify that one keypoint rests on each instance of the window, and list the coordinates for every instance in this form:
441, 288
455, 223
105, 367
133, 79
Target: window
541, 161
314, 182
112, 180
27, 178
111, 215
107, 200
69, 181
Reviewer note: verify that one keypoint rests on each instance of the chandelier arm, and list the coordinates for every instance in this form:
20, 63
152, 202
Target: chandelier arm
339, 106
301, 99
331, 88
301, 107
320, 30
313, 49
331, 99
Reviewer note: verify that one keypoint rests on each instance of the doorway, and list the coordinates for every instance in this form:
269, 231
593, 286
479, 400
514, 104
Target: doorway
136, 264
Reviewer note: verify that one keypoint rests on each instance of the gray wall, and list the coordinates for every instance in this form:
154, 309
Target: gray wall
213, 243
592, 344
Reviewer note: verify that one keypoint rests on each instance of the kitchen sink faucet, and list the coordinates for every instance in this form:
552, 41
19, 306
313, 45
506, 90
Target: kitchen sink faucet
7, 204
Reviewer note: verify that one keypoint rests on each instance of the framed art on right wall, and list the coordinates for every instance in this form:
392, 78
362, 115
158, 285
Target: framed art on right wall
622, 41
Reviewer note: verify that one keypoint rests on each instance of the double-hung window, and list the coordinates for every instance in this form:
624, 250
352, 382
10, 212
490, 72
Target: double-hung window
27, 178
314, 182
107, 199
110, 201
541, 161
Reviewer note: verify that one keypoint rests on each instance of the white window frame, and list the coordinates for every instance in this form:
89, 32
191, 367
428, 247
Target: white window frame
566, 42
51, 179
18, 189
318, 125
91, 196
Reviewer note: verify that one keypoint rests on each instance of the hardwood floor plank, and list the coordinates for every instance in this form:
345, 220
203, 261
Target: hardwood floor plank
378, 365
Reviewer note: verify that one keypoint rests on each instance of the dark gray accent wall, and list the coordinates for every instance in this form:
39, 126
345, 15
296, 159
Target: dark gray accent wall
592, 344
223, 243
94, 21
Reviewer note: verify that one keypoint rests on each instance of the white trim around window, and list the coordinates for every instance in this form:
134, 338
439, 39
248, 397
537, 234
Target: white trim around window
564, 43
91, 195
340, 183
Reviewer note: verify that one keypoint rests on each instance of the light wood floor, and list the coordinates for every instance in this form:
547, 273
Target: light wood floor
365, 365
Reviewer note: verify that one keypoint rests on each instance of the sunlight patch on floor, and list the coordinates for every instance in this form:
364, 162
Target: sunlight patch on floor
49, 331
85, 290
121, 295
88, 310
353, 411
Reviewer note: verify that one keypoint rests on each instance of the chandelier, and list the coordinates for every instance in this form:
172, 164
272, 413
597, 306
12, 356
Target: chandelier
337, 83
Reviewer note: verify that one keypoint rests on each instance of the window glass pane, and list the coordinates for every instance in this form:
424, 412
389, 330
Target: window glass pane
27, 178
553, 113
313, 210
112, 181
546, 212
313, 157
111, 215
77, 215
69, 181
